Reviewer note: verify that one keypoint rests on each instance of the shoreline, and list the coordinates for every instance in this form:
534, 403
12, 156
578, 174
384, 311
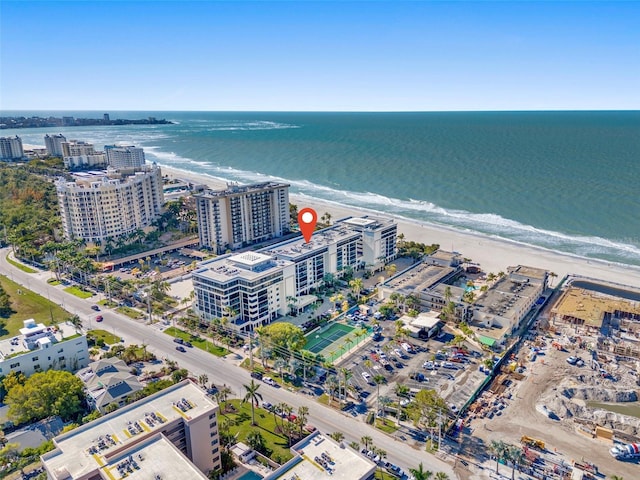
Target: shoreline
493, 254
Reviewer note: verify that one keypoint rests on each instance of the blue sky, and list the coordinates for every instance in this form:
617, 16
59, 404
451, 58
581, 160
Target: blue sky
293, 56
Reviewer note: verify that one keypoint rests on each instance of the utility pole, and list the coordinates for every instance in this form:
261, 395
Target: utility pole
251, 349
439, 429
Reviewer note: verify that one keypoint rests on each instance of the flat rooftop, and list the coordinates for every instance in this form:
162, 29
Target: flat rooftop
316, 450
297, 247
233, 189
421, 276
249, 266
14, 346
506, 297
530, 272
156, 457
591, 306
91, 446
366, 222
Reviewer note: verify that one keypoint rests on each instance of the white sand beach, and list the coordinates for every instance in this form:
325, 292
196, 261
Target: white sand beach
493, 255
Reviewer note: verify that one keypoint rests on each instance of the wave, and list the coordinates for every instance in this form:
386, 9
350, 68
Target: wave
488, 224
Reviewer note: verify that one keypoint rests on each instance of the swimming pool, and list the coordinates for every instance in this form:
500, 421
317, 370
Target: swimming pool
251, 475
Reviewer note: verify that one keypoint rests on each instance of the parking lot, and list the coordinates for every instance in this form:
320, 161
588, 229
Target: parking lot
428, 364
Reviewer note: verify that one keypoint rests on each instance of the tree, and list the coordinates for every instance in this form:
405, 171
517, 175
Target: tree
366, 441
303, 414
498, 448
356, 286
178, 375
256, 441
282, 337
203, 379
76, 321
252, 396
337, 436
378, 379
54, 392
391, 269
420, 473
516, 456
442, 476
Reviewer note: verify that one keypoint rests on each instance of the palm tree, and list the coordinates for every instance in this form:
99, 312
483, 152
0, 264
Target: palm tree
516, 455
76, 321
498, 448
303, 414
366, 441
252, 396
337, 436
616, 477
356, 285
203, 379
420, 473
279, 364
442, 476
391, 270
346, 374
378, 379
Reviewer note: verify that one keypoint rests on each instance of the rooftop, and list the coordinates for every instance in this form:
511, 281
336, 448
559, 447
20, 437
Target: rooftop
249, 266
91, 446
530, 272
156, 458
506, 297
108, 379
297, 247
421, 276
33, 335
319, 456
234, 189
590, 306
367, 222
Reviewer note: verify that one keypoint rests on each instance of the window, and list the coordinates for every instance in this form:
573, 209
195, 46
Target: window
35, 359
211, 425
213, 415
14, 365
61, 357
215, 450
214, 442
213, 434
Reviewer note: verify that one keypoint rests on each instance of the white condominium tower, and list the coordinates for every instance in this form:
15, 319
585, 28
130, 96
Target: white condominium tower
242, 215
76, 153
124, 156
54, 144
11, 148
96, 208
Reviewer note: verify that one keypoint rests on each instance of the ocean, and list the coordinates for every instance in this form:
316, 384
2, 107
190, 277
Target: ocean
564, 181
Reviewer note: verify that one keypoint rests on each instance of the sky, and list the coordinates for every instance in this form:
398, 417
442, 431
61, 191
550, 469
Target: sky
319, 56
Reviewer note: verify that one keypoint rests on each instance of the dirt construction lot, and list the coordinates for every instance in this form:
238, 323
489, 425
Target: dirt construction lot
561, 437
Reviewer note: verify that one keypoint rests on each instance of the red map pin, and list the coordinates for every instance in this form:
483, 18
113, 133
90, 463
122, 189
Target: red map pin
307, 219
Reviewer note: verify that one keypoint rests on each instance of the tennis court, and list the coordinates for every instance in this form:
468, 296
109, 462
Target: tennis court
320, 340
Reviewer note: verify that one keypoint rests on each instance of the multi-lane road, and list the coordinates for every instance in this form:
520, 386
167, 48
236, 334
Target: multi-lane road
222, 370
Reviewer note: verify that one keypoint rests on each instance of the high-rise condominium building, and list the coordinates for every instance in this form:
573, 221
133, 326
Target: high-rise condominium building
124, 156
11, 148
96, 208
54, 144
242, 215
170, 434
78, 154
255, 288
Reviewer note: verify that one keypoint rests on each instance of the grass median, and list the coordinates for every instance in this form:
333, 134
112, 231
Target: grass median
20, 266
78, 292
197, 341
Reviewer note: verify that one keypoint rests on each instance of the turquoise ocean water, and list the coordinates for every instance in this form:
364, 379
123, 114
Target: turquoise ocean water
566, 181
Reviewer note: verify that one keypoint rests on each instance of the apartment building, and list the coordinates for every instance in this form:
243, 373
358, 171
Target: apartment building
378, 239
39, 348
124, 157
79, 154
54, 144
11, 148
170, 434
242, 215
251, 289
97, 207
259, 287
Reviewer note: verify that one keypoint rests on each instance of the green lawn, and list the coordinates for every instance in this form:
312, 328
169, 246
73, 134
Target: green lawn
266, 426
20, 266
78, 292
109, 338
130, 312
386, 425
27, 305
108, 304
53, 281
197, 342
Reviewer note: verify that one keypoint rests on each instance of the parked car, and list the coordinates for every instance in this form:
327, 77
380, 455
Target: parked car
366, 376
178, 340
180, 348
99, 318
95, 307
267, 406
188, 344
256, 375
269, 381
572, 360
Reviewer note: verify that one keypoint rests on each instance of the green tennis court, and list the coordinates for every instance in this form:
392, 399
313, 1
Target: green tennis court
318, 341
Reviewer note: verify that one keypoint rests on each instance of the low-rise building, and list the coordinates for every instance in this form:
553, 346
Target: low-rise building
170, 434
109, 381
39, 348
318, 457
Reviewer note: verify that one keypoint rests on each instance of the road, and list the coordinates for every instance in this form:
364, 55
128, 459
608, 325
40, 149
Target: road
222, 370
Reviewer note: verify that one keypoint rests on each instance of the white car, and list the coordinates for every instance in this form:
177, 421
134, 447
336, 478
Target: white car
572, 360
428, 365
366, 376
269, 381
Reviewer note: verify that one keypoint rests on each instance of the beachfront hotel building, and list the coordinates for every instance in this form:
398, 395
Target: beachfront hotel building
170, 434
11, 148
39, 348
124, 157
378, 240
99, 206
251, 289
79, 154
259, 287
242, 215
54, 144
